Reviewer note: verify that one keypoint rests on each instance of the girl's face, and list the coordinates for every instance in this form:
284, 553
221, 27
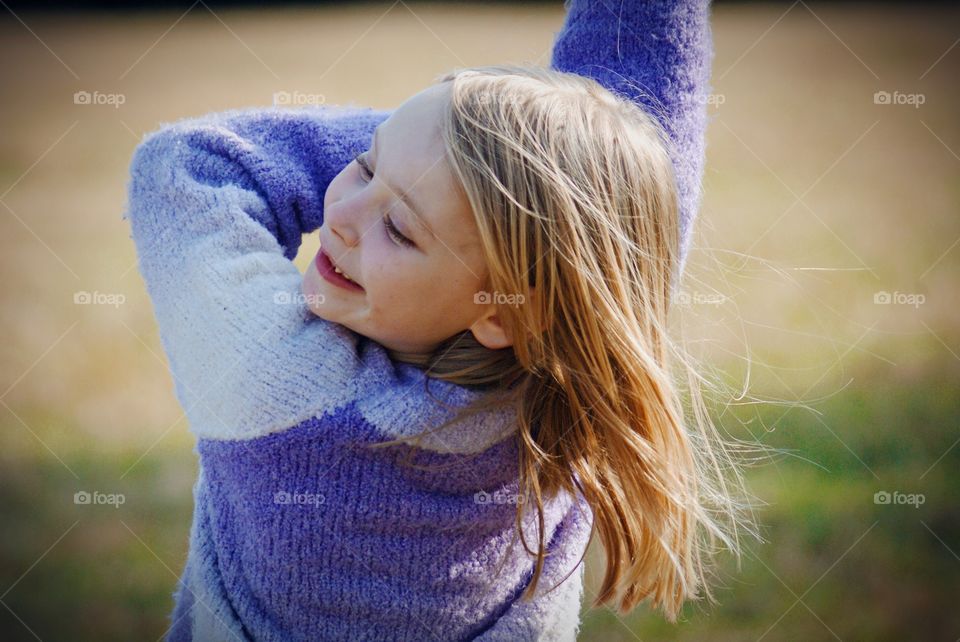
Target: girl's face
417, 262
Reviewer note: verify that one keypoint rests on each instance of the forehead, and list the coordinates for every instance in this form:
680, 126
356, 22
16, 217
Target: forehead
411, 156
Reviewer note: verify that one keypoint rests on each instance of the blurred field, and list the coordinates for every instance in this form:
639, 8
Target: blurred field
816, 200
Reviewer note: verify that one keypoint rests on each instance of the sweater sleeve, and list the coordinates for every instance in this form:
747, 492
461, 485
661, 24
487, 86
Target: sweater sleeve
217, 205
657, 53
553, 615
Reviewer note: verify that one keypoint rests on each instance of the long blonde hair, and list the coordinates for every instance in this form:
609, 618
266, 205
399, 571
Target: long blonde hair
574, 197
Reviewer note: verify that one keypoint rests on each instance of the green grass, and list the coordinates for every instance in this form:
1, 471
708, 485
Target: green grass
111, 575
898, 582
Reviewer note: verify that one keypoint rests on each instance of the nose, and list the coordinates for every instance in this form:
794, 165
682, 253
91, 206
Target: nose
344, 222
345, 233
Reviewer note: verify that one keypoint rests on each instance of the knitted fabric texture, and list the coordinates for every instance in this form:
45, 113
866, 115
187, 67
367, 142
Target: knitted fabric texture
300, 532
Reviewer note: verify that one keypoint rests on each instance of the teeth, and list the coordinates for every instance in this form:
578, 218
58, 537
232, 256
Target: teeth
340, 272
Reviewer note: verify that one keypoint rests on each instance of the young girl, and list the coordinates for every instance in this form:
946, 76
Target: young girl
416, 439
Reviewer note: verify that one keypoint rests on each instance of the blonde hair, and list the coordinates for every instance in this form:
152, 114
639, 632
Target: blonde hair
575, 201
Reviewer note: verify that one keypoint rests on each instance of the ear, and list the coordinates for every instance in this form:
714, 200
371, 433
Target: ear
490, 332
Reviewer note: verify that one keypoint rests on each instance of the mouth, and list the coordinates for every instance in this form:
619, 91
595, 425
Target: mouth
330, 272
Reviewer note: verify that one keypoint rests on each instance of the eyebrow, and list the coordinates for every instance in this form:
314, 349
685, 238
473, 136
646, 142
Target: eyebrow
407, 200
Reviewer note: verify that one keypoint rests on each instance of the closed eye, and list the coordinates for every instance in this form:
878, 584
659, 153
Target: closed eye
395, 233
392, 230
365, 169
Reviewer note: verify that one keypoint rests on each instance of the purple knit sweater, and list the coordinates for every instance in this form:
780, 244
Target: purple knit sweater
300, 533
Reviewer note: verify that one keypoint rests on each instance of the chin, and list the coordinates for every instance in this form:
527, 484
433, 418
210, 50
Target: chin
307, 291
318, 310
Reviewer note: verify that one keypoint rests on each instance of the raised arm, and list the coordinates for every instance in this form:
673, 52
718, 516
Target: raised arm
288, 157
217, 206
657, 53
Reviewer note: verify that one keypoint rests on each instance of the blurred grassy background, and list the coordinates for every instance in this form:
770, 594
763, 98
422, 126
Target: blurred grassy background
815, 199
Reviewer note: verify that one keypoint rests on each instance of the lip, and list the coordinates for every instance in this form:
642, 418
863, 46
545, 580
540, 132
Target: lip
326, 270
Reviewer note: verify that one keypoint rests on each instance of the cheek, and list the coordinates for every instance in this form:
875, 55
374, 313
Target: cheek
397, 285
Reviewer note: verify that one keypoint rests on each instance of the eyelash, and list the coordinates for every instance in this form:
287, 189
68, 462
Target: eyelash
391, 228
